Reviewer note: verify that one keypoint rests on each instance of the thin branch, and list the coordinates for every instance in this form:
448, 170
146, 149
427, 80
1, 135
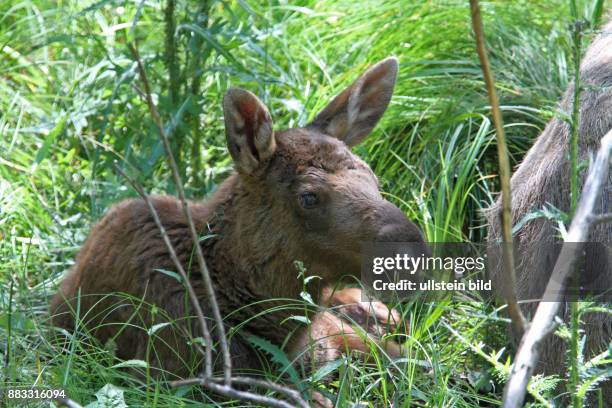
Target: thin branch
529, 349
139, 91
247, 396
179, 266
518, 321
253, 382
210, 292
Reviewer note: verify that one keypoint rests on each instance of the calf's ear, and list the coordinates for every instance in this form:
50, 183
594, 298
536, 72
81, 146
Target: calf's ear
248, 130
352, 114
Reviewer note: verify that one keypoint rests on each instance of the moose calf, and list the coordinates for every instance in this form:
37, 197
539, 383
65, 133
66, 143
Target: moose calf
298, 194
543, 178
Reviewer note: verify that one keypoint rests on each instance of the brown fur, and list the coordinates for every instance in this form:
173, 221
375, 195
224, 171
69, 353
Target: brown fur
258, 224
543, 177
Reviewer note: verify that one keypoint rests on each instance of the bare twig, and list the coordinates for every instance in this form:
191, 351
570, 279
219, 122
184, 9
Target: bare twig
248, 396
139, 91
179, 266
529, 349
518, 321
253, 382
210, 292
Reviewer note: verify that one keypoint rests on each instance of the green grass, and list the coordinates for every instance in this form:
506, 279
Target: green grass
68, 109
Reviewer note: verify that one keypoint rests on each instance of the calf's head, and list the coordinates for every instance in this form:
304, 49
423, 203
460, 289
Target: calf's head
307, 185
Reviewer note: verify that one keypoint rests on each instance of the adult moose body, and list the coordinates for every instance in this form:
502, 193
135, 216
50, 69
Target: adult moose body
543, 179
298, 194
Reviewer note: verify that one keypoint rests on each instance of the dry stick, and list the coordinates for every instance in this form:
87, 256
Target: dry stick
210, 382
248, 396
574, 347
179, 266
254, 382
210, 291
518, 321
528, 352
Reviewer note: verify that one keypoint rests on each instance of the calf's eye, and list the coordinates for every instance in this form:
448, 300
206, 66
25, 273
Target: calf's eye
309, 200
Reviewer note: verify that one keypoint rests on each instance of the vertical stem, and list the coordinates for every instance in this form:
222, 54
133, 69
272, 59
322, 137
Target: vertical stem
170, 57
9, 336
192, 119
171, 61
572, 384
575, 128
575, 123
518, 321
148, 367
196, 136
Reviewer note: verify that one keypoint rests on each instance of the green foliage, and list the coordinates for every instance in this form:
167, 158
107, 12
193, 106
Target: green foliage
278, 357
70, 106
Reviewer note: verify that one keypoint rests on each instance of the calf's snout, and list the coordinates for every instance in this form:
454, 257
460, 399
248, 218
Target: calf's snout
394, 226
